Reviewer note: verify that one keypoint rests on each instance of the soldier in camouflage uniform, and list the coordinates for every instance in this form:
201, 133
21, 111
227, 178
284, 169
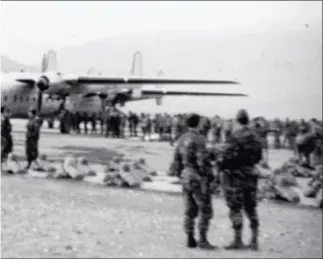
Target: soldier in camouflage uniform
32, 137
191, 165
6, 138
237, 162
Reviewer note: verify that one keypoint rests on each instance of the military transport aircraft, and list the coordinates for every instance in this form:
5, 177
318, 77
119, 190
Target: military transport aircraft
48, 91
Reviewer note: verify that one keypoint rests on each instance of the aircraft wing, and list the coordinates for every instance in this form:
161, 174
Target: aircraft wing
189, 93
144, 80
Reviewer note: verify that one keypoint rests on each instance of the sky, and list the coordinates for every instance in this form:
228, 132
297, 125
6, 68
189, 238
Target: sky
29, 28
66, 23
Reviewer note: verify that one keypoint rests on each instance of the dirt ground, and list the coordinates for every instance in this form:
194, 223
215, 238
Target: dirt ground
48, 218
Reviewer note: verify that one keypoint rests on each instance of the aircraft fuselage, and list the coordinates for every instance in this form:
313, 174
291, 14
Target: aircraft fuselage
19, 98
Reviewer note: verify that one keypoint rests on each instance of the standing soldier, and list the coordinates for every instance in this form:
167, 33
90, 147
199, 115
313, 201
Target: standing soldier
101, 120
7, 144
85, 121
191, 165
205, 126
73, 122
93, 122
131, 124
278, 127
78, 121
228, 129
262, 131
32, 137
214, 129
240, 180
123, 122
178, 128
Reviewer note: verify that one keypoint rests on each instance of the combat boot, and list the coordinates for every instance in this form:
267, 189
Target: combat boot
204, 243
254, 240
237, 243
191, 243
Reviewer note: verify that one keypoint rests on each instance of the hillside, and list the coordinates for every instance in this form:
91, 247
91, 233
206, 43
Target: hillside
10, 65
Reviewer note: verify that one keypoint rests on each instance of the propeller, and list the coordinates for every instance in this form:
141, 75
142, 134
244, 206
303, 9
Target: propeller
42, 84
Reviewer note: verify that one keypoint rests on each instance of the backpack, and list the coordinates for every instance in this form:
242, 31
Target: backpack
245, 149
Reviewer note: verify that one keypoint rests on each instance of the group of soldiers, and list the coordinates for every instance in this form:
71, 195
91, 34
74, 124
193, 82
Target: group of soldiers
234, 164
32, 136
116, 124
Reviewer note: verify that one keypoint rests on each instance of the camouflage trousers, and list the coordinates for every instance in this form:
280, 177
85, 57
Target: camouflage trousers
241, 194
31, 149
196, 203
6, 147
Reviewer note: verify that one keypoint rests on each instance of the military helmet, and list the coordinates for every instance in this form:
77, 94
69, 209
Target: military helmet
242, 117
193, 120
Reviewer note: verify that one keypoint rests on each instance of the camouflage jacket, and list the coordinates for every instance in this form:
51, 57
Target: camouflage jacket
5, 126
33, 128
244, 149
191, 153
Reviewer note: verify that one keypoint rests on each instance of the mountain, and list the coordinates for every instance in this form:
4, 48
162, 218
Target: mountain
10, 65
282, 71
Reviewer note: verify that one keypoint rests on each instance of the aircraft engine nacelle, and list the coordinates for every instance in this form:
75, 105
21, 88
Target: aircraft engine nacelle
121, 98
53, 81
136, 93
159, 100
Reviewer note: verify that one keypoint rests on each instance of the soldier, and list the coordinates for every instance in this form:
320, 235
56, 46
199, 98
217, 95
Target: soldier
73, 122
228, 129
178, 128
7, 144
130, 124
277, 133
243, 152
216, 129
101, 120
262, 131
303, 127
85, 121
78, 120
93, 122
161, 126
168, 127
191, 165
32, 137
205, 126
110, 123
123, 122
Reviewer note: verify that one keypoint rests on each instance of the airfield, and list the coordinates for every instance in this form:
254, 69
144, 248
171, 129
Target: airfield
57, 218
